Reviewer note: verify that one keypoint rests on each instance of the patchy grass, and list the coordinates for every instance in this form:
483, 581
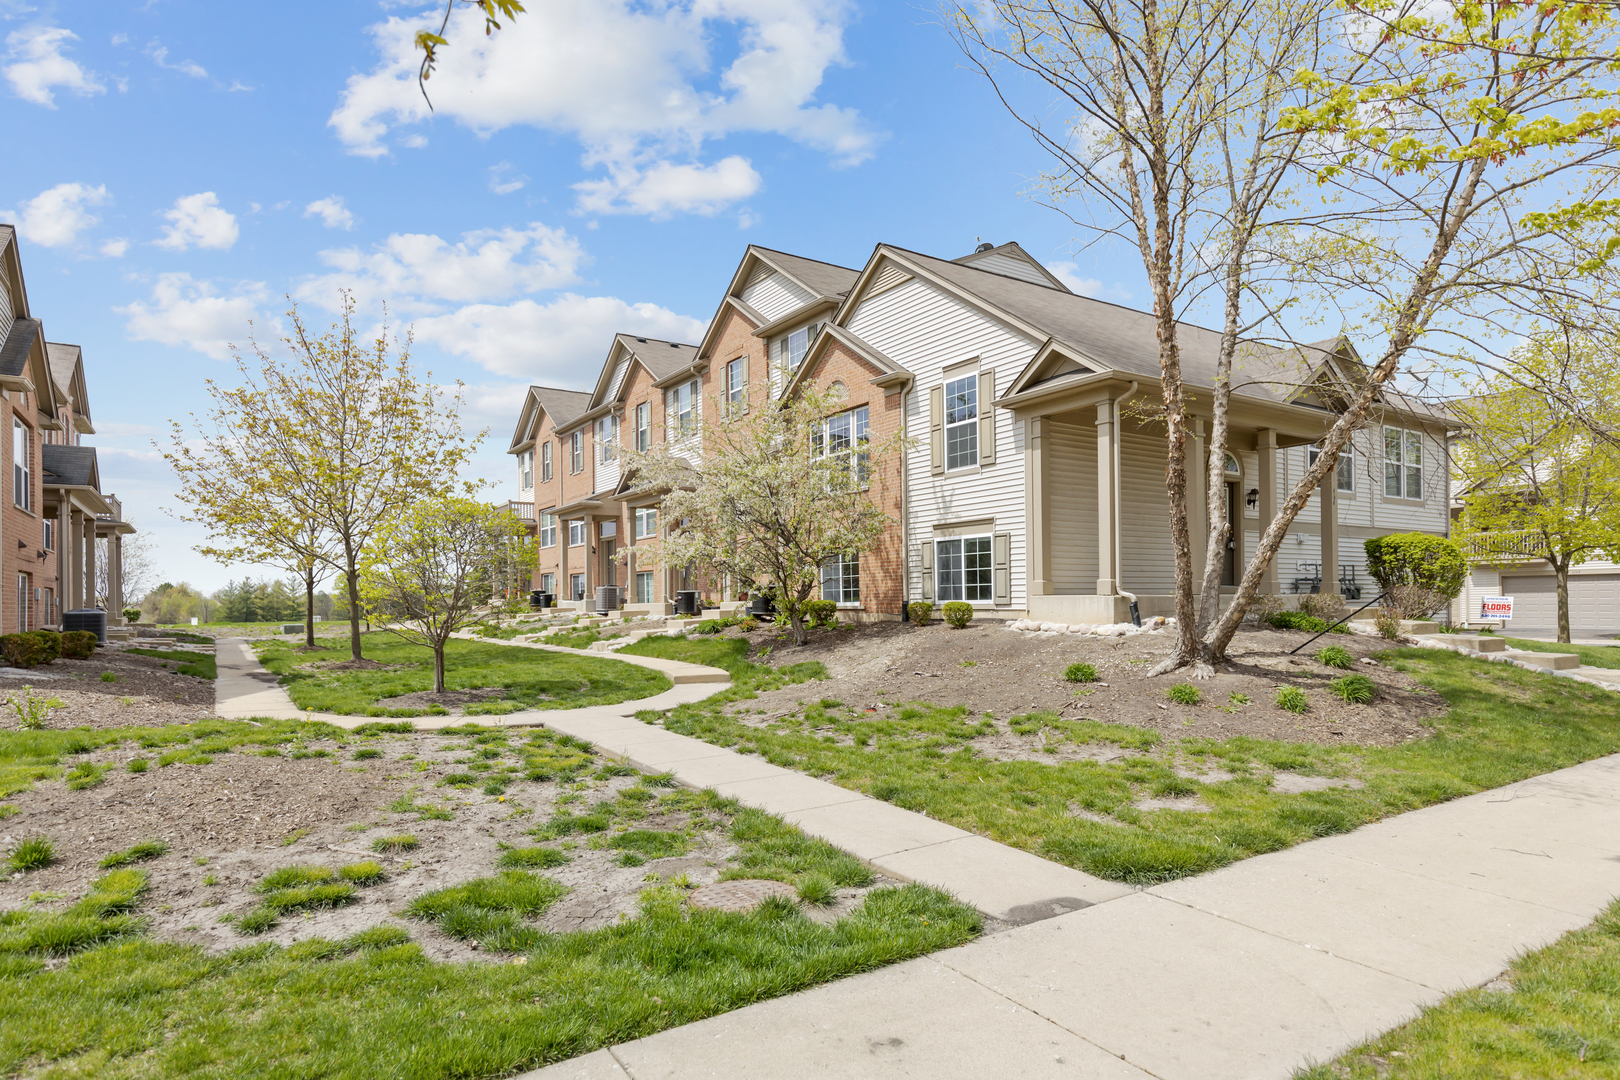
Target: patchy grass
146, 849
1555, 1018
1504, 724
199, 665
1604, 656
532, 678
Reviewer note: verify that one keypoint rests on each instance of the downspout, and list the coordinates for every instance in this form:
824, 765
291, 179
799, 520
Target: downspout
1119, 569
905, 510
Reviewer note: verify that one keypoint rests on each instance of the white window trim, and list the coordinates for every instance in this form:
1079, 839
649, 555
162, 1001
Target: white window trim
964, 538
639, 516
844, 604
1311, 453
1404, 466
643, 422
545, 462
543, 527
584, 533
972, 376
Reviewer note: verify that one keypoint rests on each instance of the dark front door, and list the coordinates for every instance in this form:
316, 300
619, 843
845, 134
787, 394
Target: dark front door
1234, 521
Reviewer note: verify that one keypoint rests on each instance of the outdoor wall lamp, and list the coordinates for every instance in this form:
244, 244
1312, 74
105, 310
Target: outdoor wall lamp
1253, 498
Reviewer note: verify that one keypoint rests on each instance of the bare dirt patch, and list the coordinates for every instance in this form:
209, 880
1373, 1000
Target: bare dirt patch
989, 669
142, 692
231, 822
450, 698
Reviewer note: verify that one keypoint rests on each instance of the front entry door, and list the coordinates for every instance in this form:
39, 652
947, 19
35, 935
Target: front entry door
608, 564
1234, 522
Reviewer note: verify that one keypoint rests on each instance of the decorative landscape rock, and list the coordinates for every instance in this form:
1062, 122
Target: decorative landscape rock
1157, 624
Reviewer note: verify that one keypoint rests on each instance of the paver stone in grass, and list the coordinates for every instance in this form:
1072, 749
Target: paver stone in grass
742, 895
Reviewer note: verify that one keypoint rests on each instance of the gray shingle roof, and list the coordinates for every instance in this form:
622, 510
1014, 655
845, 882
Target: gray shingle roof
14, 353
561, 405
825, 279
661, 358
70, 466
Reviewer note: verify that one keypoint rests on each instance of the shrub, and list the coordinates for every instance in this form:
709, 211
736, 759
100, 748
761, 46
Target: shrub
1433, 564
958, 613
1329, 607
1292, 699
1388, 626
1080, 671
920, 612
132, 614
27, 650
1298, 620
79, 644
1335, 657
1264, 606
1415, 601
748, 625
34, 853
821, 613
1355, 689
1185, 694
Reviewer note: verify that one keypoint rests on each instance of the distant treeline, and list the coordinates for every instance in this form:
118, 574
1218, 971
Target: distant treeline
240, 601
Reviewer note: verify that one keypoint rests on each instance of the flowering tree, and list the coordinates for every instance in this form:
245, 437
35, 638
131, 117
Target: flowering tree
429, 569
775, 494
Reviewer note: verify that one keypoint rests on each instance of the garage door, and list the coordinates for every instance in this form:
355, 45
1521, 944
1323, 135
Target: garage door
1594, 601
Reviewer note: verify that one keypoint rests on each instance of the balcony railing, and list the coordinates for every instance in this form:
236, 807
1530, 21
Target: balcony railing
1504, 546
117, 509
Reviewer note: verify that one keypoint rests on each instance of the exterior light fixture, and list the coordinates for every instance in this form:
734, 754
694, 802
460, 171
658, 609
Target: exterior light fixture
1253, 498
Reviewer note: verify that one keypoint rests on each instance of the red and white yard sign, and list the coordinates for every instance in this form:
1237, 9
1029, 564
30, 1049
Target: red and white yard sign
1496, 609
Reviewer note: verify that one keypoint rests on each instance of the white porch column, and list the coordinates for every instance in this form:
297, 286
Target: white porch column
565, 591
1107, 572
1265, 442
115, 576
89, 561
75, 548
1198, 510
64, 554
1038, 556
1328, 498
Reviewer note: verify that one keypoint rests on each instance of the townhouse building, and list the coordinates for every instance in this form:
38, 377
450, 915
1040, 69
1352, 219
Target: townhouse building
1034, 479
59, 534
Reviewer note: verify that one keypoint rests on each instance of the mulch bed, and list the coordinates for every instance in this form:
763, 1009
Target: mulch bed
145, 692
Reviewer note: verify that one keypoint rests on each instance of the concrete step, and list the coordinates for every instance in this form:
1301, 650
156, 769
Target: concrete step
1478, 644
1553, 660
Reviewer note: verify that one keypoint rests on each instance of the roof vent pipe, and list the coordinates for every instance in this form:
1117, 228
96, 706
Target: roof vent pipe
983, 247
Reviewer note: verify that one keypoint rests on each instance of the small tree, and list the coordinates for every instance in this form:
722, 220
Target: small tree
774, 496
430, 568
1532, 474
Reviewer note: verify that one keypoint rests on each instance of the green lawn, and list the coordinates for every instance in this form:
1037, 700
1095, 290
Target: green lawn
533, 678
1504, 724
1592, 655
1558, 1019
124, 1005
186, 663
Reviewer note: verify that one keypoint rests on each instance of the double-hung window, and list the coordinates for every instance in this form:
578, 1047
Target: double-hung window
963, 569
962, 422
646, 522
790, 349
1403, 463
841, 579
545, 461
576, 451
526, 469
643, 427
1344, 476
607, 435
22, 487
548, 531
576, 532
737, 386
845, 436
683, 409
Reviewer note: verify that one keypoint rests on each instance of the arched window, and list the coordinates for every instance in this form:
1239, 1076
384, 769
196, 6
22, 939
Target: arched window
1232, 466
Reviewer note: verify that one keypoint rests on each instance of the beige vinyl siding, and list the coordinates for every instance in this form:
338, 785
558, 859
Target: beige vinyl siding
6, 316
1010, 266
888, 278
1072, 505
773, 296
619, 371
925, 331
1147, 563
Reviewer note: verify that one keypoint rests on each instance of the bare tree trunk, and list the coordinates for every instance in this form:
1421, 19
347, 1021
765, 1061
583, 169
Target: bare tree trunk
1561, 574
438, 666
353, 580
309, 607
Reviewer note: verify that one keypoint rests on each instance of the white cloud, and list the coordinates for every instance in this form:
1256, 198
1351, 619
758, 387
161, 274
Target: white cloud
56, 216
332, 212
160, 57
416, 270
667, 188
37, 65
561, 342
115, 249
198, 219
504, 179
644, 105
183, 311
1069, 274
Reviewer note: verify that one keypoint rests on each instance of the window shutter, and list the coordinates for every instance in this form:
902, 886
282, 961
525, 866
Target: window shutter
987, 419
1002, 567
925, 552
743, 363
936, 430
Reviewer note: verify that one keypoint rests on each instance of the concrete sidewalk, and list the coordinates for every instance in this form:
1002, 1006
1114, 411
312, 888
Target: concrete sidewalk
1247, 972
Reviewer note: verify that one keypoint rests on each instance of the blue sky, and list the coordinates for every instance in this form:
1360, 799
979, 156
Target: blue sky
179, 168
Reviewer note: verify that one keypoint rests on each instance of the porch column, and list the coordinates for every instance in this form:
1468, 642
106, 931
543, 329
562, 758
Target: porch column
590, 568
1265, 442
1328, 498
1038, 558
1198, 509
115, 573
64, 553
562, 561
75, 546
89, 528
1107, 572
630, 558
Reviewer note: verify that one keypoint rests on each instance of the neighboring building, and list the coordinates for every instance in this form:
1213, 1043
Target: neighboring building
1036, 479
55, 517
